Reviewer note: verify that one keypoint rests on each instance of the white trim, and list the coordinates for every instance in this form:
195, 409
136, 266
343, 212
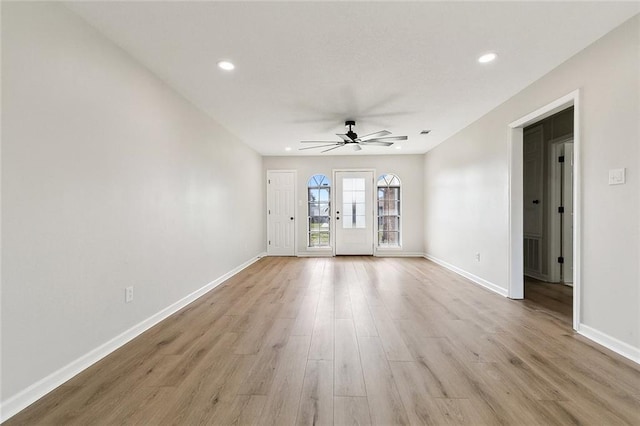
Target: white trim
539, 277
514, 149
315, 253
468, 275
547, 110
31, 394
618, 346
397, 253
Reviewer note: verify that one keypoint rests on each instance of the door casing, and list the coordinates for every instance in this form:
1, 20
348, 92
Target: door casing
515, 189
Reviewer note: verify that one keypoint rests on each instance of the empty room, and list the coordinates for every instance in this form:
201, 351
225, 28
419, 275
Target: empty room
327, 213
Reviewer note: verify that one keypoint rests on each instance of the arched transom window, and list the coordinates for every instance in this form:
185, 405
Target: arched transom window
319, 198
388, 211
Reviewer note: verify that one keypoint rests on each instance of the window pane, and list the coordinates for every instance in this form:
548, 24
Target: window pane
393, 238
347, 184
389, 208
360, 207
359, 197
324, 238
391, 223
346, 209
358, 184
323, 195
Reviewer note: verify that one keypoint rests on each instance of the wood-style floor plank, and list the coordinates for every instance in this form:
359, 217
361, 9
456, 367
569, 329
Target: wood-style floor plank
351, 411
385, 404
316, 401
347, 374
354, 341
283, 398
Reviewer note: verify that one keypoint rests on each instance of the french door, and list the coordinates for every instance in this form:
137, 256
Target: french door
353, 212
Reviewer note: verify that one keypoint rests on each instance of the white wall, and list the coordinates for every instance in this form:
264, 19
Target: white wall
409, 168
110, 179
466, 178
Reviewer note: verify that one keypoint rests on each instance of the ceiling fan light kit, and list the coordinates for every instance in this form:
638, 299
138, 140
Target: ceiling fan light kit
351, 138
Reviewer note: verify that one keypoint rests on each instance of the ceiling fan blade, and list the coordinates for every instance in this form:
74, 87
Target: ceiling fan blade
317, 146
389, 139
344, 137
319, 141
335, 147
369, 143
374, 135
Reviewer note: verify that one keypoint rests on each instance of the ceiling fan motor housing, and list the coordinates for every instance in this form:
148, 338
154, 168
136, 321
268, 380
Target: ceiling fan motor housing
353, 135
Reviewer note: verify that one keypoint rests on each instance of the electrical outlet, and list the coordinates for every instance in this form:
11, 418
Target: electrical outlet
477, 257
128, 294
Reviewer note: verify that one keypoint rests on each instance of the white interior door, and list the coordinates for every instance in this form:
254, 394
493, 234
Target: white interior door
354, 212
567, 216
281, 213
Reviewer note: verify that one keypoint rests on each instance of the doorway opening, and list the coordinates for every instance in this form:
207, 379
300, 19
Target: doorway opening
548, 214
547, 246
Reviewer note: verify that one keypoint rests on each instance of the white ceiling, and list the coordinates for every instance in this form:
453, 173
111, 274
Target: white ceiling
302, 68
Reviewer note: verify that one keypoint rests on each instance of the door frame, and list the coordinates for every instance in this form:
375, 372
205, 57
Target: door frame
295, 208
515, 192
374, 191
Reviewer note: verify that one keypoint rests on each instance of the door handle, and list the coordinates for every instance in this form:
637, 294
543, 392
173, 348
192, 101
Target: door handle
536, 201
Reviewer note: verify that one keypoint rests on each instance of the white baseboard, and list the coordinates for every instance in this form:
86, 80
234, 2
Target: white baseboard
397, 253
618, 346
481, 281
539, 277
28, 396
319, 253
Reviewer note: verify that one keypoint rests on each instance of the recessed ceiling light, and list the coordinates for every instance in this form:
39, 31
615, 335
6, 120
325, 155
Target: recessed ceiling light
288, 148
398, 147
487, 57
226, 65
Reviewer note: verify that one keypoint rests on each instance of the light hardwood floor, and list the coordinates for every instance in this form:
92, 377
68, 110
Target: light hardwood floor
351, 340
554, 298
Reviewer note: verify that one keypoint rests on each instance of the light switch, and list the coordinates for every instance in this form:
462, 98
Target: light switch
616, 176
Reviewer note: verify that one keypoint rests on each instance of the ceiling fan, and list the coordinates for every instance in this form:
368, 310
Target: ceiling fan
350, 138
